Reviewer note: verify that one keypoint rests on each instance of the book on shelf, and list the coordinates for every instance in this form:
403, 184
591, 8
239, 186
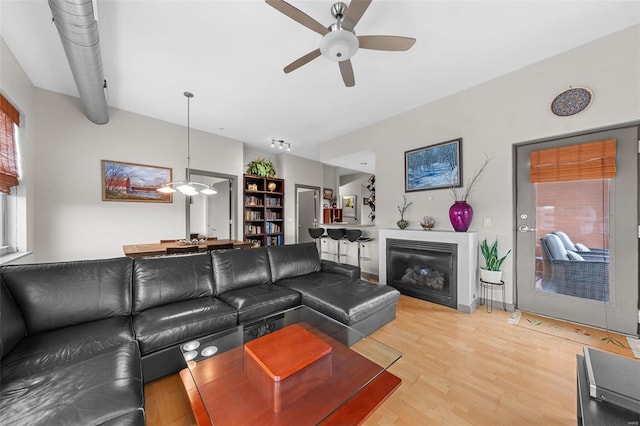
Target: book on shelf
273, 228
252, 215
252, 200
272, 202
253, 229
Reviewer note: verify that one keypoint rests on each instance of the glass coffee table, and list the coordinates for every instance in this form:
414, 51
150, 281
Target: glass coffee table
295, 367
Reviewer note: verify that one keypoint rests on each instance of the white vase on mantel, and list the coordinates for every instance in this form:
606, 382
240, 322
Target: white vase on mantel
490, 276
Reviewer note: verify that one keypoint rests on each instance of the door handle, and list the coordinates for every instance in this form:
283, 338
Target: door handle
525, 228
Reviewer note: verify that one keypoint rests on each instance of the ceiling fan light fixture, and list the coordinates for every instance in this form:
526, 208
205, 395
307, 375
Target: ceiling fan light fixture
339, 45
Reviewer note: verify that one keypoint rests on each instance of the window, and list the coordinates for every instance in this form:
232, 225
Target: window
9, 122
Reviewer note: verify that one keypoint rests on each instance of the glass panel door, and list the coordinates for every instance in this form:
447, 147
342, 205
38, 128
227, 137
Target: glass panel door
577, 241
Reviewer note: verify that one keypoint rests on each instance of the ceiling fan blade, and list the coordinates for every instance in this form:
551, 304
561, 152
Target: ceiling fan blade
302, 61
355, 11
298, 16
347, 73
380, 42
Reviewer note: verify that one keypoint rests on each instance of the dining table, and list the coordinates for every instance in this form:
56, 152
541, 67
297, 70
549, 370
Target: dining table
160, 248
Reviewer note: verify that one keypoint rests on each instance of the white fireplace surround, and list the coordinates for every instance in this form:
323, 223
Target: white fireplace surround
467, 246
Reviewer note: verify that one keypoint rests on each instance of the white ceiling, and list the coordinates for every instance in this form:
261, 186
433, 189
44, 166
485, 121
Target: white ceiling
230, 54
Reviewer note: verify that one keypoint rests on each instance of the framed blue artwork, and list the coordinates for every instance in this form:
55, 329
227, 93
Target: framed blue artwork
434, 167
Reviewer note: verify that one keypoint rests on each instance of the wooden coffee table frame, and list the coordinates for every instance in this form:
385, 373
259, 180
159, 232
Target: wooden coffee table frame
354, 387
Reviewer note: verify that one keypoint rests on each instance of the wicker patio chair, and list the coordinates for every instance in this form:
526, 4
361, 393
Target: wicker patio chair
574, 275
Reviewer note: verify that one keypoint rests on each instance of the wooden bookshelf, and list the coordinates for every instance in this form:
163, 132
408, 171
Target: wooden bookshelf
263, 210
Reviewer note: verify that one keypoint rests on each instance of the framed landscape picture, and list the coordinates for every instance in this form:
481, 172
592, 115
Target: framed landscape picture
434, 167
134, 182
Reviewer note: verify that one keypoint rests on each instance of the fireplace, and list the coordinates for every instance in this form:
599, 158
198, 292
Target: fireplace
423, 269
452, 254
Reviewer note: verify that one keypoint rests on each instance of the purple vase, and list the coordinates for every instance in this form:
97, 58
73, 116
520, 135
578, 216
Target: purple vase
460, 215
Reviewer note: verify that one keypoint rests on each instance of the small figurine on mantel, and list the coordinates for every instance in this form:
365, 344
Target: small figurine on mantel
427, 223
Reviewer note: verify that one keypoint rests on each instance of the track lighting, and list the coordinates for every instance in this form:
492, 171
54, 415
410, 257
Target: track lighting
281, 144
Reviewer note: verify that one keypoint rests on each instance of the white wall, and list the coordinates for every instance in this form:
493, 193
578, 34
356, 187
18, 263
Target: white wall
302, 171
491, 118
72, 221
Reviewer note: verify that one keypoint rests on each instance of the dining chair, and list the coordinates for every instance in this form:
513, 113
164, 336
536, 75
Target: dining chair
183, 249
225, 246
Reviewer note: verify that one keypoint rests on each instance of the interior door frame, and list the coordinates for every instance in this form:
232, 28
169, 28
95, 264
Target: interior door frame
316, 192
233, 197
627, 252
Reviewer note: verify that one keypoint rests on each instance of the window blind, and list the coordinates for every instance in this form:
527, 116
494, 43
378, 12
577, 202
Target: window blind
9, 116
592, 160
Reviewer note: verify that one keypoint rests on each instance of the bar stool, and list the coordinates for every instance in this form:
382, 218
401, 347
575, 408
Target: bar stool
355, 236
316, 234
337, 234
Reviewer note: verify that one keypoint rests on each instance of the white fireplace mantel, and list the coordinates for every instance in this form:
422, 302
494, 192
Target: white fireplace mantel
467, 245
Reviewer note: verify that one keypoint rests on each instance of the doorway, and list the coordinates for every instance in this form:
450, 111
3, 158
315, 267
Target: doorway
577, 231
307, 211
213, 215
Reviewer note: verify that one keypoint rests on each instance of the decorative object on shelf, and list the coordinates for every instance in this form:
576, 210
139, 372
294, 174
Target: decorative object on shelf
134, 182
402, 224
427, 223
261, 167
461, 215
571, 101
433, 167
491, 272
187, 186
252, 187
271, 186
461, 212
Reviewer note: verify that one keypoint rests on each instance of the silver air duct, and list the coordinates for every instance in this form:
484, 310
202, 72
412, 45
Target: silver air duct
78, 30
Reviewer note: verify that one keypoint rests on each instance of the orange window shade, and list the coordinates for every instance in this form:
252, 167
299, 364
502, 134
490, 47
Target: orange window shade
9, 116
592, 160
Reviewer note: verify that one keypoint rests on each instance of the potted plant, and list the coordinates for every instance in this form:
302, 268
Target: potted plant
492, 271
261, 167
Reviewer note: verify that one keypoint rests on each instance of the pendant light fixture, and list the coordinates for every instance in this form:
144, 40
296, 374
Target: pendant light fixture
187, 186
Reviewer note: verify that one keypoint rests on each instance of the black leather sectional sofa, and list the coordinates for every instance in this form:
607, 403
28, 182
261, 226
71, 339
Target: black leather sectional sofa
78, 340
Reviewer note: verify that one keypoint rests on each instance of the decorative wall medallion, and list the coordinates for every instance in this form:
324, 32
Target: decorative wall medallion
571, 101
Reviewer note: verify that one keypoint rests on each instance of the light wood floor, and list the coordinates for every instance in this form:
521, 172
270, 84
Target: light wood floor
456, 369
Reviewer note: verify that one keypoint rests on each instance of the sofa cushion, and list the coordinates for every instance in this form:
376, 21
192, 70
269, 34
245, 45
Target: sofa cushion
260, 300
582, 248
12, 327
234, 269
293, 260
55, 295
72, 344
167, 325
572, 255
166, 279
555, 247
346, 300
90, 392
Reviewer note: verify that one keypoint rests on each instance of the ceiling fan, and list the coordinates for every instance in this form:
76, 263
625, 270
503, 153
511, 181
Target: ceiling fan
339, 42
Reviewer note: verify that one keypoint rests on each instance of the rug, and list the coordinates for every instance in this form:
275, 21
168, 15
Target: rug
589, 336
